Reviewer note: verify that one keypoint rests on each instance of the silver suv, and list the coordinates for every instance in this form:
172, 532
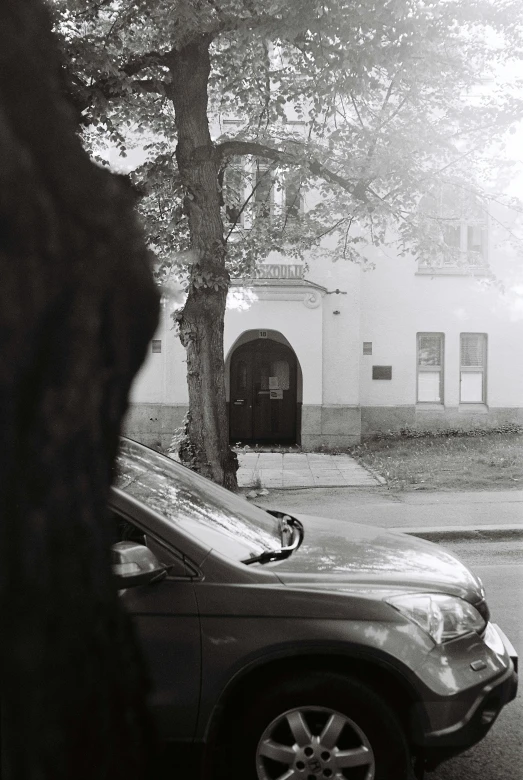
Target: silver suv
300, 648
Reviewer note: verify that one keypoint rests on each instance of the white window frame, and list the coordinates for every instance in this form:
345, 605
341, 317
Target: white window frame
474, 369
421, 369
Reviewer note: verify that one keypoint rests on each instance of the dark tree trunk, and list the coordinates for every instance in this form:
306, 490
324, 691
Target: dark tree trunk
77, 308
201, 322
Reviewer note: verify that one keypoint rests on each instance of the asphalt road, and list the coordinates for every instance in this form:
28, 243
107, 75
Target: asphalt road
379, 506
500, 755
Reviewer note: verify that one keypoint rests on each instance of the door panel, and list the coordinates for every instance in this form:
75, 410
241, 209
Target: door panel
263, 392
166, 617
241, 398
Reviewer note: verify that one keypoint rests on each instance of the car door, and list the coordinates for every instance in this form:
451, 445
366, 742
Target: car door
166, 618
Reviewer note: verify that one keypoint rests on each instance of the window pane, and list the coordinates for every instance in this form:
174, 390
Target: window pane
280, 370
471, 387
292, 198
452, 235
429, 349
429, 387
233, 193
472, 349
242, 375
475, 239
262, 194
263, 374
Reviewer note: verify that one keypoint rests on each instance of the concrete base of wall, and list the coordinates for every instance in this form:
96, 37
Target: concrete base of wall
331, 426
384, 419
154, 424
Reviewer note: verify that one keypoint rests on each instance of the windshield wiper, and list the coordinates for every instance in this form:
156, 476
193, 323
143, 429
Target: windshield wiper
278, 555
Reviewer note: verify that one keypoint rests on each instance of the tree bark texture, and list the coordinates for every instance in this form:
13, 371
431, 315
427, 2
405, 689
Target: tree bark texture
201, 322
77, 309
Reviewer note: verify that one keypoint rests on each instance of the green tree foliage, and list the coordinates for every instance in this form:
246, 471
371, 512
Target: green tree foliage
366, 105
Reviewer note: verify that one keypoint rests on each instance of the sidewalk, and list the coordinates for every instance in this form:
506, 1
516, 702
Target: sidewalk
302, 469
336, 486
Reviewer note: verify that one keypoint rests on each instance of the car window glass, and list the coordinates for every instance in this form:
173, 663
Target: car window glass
128, 532
226, 522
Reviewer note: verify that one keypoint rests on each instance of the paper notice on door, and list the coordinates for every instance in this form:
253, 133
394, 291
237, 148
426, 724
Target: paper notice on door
274, 383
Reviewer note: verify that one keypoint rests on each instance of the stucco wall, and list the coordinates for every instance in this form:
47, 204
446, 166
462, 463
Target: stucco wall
397, 303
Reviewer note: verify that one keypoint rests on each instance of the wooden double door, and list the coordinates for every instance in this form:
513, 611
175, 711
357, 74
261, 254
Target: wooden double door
263, 393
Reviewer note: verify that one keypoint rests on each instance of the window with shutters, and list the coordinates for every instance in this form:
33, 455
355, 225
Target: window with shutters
430, 356
473, 368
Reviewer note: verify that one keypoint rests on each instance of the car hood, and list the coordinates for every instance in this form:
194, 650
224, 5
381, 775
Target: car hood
336, 554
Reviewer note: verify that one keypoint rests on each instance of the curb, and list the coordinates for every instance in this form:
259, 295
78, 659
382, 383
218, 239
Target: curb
482, 532
314, 487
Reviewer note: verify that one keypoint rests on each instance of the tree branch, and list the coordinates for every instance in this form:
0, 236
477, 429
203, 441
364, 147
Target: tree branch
155, 86
81, 94
356, 110
242, 148
151, 59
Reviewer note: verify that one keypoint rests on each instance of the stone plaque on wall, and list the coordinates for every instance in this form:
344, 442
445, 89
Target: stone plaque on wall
382, 372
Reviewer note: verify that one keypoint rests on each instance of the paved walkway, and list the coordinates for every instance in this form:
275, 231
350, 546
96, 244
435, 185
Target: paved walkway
302, 470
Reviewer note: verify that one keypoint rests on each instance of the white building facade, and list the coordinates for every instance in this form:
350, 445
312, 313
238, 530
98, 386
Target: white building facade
331, 353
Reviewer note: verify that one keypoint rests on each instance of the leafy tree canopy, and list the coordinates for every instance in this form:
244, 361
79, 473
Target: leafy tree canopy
368, 104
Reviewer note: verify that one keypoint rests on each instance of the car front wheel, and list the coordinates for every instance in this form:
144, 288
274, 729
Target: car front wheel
320, 726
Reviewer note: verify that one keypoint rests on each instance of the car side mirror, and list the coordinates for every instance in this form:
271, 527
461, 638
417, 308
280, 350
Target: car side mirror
134, 564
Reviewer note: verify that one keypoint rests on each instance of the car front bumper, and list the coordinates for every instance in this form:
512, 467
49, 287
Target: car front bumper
480, 715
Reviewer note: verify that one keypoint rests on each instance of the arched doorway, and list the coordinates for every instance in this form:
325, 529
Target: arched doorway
263, 393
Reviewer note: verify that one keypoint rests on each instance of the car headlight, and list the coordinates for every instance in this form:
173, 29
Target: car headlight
442, 617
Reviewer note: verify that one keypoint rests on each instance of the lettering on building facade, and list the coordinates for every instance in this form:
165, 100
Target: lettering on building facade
279, 271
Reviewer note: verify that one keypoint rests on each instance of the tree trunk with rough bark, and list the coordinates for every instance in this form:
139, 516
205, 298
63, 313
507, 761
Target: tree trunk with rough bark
77, 309
201, 321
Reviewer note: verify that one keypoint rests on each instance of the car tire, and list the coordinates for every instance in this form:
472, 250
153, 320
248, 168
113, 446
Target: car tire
316, 727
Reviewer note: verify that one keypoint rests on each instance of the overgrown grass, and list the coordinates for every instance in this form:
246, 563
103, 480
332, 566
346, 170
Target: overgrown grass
452, 461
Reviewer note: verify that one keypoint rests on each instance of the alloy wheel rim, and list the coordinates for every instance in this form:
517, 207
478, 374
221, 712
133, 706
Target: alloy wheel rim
314, 743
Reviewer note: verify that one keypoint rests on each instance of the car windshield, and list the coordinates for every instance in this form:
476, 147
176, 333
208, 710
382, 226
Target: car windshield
215, 516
